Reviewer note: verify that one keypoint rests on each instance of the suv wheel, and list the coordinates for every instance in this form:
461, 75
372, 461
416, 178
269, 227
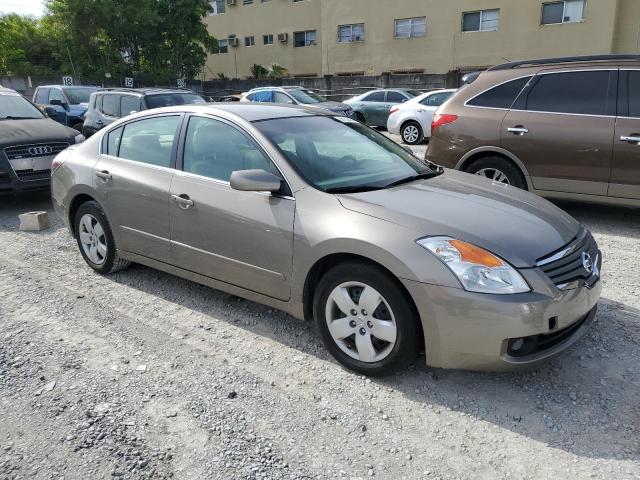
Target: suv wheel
411, 133
365, 320
95, 240
498, 169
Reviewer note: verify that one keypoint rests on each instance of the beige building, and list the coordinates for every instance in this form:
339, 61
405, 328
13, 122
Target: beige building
356, 37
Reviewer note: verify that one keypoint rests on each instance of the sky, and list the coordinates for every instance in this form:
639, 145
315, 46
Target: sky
23, 7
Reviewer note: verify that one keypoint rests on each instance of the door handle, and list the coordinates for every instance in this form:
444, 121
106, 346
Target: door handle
631, 139
518, 130
104, 175
183, 201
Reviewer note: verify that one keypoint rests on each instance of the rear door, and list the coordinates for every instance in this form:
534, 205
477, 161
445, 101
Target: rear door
625, 170
373, 108
561, 128
132, 180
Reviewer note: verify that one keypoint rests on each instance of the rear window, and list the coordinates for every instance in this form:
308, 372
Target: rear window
111, 105
501, 96
583, 93
374, 97
396, 97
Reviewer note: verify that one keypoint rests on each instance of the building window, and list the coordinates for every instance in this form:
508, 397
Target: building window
223, 47
247, 2
482, 21
249, 41
351, 33
304, 39
562, 12
411, 27
267, 39
217, 7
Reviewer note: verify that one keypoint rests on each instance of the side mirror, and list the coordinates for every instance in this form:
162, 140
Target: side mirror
50, 111
60, 103
255, 181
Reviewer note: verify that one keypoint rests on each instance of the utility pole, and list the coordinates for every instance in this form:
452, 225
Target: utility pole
71, 61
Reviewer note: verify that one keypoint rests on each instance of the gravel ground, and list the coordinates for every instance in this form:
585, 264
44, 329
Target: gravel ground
142, 375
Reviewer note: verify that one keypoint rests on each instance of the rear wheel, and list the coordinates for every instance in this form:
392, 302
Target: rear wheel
498, 169
365, 319
411, 133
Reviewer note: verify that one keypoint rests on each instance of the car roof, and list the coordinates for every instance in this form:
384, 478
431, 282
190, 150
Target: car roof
284, 88
68, 86
146, 91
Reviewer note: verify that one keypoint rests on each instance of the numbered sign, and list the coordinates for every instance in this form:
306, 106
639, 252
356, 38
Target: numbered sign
182, 83
128, 82
67, 81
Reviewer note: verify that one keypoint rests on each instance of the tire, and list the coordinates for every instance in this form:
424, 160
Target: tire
360, 117
353, 342
412, 133
498, 169
92, 229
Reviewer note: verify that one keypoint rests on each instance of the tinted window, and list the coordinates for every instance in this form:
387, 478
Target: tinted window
279, 97
396, 97
42, 96
79, 95
113, 141
436, 99
129, 104
634, 94
374, 97
570, 92
171, 99
111, 105
214, 149
150, 141
501, 96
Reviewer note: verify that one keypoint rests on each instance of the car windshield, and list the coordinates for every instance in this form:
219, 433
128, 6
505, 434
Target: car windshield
171, 99
14, 107
77, 96
340, 155
306, 97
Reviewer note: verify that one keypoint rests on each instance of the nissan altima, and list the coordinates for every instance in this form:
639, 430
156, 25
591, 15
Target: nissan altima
325, 218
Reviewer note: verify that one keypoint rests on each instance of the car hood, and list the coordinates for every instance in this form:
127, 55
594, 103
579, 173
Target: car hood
21, 132
518, 226
79, 107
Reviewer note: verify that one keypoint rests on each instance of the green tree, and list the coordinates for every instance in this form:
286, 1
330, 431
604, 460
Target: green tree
258, 71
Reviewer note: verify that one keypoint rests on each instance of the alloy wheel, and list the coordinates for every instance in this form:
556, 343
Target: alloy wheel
92, 239
494, 174
410, 134
361, 322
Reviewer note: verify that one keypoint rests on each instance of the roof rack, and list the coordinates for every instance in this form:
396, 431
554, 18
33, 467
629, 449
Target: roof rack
578, 59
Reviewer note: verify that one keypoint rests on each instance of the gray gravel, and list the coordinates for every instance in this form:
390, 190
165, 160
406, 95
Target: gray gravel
235, 390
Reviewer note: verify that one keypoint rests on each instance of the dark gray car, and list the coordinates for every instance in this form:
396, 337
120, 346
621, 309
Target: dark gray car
327, 219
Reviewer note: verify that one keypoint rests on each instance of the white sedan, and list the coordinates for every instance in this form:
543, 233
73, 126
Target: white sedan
412, 119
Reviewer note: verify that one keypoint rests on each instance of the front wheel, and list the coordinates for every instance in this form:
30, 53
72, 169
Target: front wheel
411, 133
365, 319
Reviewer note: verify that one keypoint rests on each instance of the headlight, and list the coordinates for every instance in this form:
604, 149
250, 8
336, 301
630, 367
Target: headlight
477, 269
79, 138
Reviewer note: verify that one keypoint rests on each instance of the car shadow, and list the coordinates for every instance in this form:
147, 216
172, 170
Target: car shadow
605, 219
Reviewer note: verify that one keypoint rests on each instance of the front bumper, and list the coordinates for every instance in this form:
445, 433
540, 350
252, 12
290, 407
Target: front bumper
11, 184
472, 331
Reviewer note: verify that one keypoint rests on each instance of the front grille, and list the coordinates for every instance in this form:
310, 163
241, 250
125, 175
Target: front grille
34, 150
569, 265
33, 175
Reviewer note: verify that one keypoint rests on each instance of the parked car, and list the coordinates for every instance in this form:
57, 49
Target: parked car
563, 127
372, 108
412, 120
66, 105
326, 218
28, 142
109, 105
295, 96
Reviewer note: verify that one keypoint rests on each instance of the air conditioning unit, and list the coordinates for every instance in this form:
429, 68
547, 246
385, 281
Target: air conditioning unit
234, 42
283, 37
231, 2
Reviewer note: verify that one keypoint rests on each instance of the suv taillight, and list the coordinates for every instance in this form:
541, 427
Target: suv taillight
440, 119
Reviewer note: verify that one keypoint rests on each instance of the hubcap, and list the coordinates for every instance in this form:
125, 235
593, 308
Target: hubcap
410, 134
494, 174
368, 337
92, 239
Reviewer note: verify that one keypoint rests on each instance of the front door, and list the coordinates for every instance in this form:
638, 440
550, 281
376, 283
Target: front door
133, 177
241, 238
373, 108
625, 172
561, 128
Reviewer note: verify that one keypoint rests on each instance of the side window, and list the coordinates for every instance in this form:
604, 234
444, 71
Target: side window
571, 92
113, 142
111, 105
42, 96
128, 104
56, 94
396, 97
374, 97
99, 102
633, 90
150, 141
501, 96
279, 97
215, 149
263, 96
436, 99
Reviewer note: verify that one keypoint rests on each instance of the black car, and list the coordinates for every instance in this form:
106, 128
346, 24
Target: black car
108, 105
28, 142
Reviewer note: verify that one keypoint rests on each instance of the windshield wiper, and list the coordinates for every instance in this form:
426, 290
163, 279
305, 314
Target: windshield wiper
353, 189
413, 178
